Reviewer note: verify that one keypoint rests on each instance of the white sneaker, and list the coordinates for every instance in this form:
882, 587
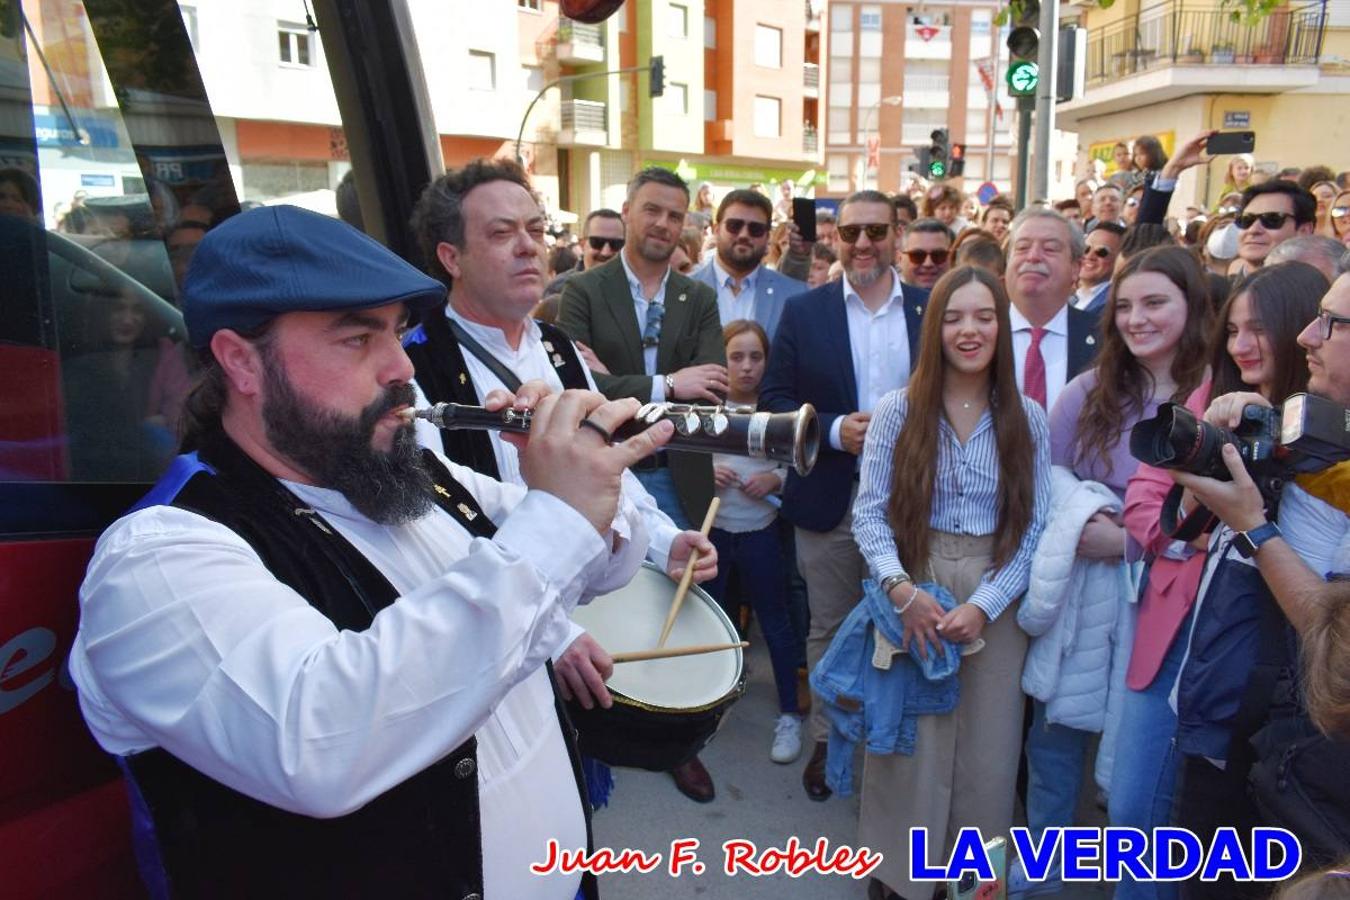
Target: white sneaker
787, 739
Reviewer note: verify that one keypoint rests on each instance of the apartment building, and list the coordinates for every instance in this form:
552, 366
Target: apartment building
1174, 67
897, 70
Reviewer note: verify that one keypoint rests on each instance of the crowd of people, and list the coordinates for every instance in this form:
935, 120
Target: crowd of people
978, 576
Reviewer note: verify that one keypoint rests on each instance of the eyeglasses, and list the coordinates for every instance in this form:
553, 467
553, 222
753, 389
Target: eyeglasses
1269, 220
1340, 212
1133, 201
1229, 210
1099, 252
754, 229
1327, 321
916, 257
598, 243
875, 232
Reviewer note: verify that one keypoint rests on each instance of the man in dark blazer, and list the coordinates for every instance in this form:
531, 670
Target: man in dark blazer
1052, 341
674, 355
659, 335
745, 287
840, 347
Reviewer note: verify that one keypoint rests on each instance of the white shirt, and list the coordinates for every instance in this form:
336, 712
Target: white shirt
1054, 350
640, 304
732, 306
187, 642
738, 511
1084, 296
879, 342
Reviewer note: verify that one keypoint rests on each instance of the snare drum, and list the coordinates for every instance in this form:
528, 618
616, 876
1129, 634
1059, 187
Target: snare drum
665, 710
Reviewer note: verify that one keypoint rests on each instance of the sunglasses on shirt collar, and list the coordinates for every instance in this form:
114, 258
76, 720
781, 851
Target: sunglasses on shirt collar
598, 243
849, 234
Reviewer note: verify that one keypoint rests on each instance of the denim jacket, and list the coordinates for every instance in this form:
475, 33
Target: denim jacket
885, 703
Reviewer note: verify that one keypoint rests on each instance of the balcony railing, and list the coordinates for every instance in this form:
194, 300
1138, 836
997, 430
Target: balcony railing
1172, 35
813, 11
579, 42
583, 116
811, 77
810, 141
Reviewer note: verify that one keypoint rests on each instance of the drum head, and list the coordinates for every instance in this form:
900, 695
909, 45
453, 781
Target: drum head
631, 619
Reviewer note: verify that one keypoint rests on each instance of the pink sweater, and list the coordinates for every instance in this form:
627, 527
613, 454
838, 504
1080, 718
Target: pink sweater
1172, 583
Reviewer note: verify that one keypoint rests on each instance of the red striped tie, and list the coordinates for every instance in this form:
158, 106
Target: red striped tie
1033, 375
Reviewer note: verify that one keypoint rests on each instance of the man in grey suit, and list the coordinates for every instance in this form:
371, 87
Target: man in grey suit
658, 333
746, 288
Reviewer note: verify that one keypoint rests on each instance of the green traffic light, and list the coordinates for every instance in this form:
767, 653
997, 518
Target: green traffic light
937, 169
1023, 76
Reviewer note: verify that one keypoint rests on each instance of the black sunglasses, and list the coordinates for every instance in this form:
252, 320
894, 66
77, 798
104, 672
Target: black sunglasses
598, 243
755, 229
1100, 252
1269, 220
875, 232
916, 257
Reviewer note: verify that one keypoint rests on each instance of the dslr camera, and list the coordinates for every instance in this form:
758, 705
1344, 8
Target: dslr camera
1307, 434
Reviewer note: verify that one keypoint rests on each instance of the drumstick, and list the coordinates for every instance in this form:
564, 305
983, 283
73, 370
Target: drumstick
640, 655
688, 577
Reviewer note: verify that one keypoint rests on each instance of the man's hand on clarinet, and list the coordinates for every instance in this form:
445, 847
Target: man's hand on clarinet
569, 454
706, 567
583, 669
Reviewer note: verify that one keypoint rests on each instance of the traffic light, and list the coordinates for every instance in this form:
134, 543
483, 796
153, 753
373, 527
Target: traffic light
1024, 43
925, 160
956, 167
657, 85
938, 159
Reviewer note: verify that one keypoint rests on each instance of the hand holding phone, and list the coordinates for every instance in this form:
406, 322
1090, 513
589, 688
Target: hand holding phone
804, 215
1227, 143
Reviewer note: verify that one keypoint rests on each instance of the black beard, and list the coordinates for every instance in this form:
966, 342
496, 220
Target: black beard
390, 488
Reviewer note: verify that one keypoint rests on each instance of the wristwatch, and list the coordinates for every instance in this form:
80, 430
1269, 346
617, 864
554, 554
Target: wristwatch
670, 388
1248, 542
890, 582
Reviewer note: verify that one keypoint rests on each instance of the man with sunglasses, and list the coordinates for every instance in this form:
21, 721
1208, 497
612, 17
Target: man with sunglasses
926, 256
746, 288
840, 347
1272, 213
1094, 275
601, 240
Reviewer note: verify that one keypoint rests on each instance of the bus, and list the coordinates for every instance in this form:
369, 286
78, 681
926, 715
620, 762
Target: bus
112, 166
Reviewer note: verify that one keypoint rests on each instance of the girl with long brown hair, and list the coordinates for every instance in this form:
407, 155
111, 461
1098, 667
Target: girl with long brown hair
954, 489
1154, 341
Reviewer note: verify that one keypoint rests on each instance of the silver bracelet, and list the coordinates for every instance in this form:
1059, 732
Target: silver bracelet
913, 592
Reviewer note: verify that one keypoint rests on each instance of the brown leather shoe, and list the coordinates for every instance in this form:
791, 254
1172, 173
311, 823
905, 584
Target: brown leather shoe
813, 778
693, 781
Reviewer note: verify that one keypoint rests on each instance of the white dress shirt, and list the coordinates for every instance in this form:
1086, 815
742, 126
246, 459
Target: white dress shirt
187, 642
1084, 296
640, 304
879, 342
1054, 350
732, 306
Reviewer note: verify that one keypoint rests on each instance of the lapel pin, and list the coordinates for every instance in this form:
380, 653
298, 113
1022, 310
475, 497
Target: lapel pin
557, 361
548, 345
680, 298
466, 512
769, 291
440, 490
1091, 340
463, 379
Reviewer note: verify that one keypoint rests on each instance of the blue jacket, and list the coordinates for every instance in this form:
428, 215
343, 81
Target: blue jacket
812, 362
772, 289
884, 703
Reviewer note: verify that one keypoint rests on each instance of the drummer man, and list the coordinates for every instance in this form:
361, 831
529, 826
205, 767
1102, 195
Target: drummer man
309, 618
482, 232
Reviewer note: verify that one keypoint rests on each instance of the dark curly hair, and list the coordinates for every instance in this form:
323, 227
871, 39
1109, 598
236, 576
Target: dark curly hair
438, 216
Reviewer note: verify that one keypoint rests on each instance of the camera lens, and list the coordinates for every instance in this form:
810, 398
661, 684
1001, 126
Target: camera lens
1176, 439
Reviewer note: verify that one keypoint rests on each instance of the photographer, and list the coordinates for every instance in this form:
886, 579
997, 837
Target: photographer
1256, 586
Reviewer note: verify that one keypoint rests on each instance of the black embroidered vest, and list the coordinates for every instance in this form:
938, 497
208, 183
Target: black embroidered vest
421, 838
443, 375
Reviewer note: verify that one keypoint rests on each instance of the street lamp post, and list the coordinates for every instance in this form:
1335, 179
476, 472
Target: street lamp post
893, 100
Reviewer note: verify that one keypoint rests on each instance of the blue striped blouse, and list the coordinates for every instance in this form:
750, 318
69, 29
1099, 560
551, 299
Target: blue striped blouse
965, 499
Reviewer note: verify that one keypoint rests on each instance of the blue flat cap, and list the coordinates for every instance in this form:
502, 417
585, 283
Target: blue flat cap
279, 259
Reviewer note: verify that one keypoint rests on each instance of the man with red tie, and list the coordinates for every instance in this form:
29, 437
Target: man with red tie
1052, 341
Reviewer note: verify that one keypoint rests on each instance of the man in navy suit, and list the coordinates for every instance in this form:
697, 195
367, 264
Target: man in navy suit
1099, 264
840, 347
746, 288
1052, 341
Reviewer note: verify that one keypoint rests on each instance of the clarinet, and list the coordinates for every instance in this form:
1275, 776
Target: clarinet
792, 437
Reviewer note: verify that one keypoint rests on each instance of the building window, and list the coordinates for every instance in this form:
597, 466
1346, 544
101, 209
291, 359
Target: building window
531, 5
710, 106
768, 117
841, 70
482, 71
679, 94
532, 77
768, 46
837, 166
710, 32
869, 18
869, 71
678, 21
293, 42
190, 23
840, 125
841, 17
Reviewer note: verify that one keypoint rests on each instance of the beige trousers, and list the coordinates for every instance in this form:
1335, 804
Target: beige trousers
834, 569
964, 769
